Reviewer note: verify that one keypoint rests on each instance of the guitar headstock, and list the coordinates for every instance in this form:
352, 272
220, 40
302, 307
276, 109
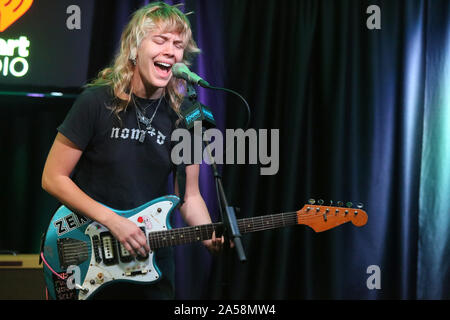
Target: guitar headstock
322, 217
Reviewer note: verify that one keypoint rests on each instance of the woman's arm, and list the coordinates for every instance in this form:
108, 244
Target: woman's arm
61, 160
194, 210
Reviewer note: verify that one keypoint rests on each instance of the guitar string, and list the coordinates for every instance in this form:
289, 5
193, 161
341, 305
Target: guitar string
254, 221
192, 230
256, 224
278, 217
156, 243
191, 233
160, 238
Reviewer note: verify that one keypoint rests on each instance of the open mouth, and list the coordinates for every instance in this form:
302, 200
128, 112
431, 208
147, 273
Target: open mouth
163, 68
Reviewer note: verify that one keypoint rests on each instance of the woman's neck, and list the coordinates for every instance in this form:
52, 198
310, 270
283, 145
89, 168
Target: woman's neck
145, 91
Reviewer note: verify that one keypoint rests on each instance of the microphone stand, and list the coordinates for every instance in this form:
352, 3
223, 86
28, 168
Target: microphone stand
227, 213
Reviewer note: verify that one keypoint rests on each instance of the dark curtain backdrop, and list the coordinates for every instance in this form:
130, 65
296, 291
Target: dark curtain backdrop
363, 116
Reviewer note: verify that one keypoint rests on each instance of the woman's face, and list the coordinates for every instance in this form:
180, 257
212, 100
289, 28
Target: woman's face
156, 55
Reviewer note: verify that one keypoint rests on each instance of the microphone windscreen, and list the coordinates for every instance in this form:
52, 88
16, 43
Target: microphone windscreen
180, 70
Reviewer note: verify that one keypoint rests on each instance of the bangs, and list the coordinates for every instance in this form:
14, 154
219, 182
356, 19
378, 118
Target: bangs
169, 19
174, 25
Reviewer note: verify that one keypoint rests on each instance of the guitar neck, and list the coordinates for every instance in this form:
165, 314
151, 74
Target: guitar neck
185, 235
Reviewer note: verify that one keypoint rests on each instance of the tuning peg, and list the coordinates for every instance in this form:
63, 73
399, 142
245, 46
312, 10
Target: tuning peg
349, 204
331, 202
340, 203
311, 201
359, 205
320, 202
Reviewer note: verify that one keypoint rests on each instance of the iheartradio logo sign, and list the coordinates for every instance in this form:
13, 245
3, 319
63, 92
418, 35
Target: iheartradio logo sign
11, 11
13, 52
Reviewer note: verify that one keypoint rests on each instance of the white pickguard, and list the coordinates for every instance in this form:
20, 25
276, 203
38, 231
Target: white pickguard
153, 219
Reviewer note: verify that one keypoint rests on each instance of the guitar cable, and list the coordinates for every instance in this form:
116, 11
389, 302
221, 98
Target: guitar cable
50, 268
54, 272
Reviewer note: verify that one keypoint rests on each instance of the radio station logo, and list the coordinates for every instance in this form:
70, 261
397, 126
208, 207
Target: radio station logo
11, 11
13, 52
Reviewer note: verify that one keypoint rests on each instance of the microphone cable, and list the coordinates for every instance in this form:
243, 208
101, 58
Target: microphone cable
241, 97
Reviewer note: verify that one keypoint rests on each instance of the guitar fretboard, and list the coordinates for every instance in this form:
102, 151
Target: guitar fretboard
179, 236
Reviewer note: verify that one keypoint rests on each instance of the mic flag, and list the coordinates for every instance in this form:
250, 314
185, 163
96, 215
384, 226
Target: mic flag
198, 112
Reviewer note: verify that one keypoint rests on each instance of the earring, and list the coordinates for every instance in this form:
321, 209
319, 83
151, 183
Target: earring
133, 61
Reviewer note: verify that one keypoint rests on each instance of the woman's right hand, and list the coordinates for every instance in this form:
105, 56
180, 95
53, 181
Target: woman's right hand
129, 235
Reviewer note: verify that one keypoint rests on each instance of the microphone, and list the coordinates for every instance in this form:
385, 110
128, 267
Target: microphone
180, 70
198, 112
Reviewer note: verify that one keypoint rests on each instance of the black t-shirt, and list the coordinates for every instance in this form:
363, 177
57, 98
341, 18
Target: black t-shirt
116, 169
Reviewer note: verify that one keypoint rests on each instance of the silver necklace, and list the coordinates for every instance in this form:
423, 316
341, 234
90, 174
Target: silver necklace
140, 117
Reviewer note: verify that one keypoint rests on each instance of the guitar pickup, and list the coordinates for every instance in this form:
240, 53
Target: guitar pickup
125, 255
107, 242
95, 243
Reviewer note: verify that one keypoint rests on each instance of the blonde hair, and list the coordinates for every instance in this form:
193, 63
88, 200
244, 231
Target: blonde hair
146, 19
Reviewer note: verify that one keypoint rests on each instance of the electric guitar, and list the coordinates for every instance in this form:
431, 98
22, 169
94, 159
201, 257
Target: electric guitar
78, 248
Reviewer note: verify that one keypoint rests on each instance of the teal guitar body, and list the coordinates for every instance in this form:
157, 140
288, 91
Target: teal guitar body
81, 256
